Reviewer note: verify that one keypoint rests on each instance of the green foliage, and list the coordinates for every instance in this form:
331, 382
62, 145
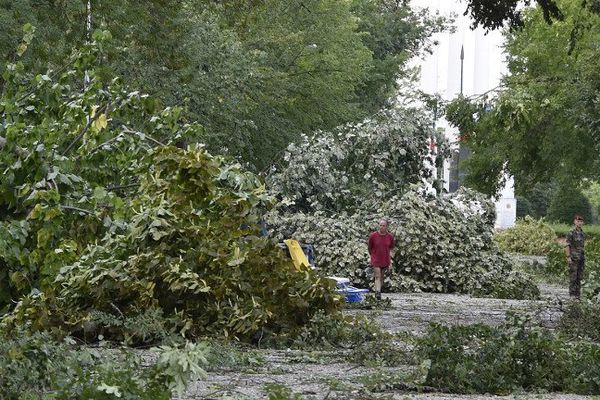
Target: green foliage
442, 245
383, 380
335, 186
382, 351
370, 346
191, 249
557, 263
37, 367
581, 319
592, 193
540, 197
337, 171
394, 33
545, 272
327, 331
513, 285
566, 202
103, 222
277, 391
528, 236
523, 207
483, 359
69, 157
227, 355
255, 75
542, 123
485, 168
500, 14
147, 326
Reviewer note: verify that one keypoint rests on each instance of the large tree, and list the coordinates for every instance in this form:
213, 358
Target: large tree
254, 74
544, 123
493, 14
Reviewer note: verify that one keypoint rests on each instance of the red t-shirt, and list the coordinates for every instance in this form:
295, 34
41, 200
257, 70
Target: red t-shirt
379, 249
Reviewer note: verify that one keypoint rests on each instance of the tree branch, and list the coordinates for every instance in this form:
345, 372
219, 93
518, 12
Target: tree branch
85, 129
19, 151
95, 149
71, 208
119, 187
148, 137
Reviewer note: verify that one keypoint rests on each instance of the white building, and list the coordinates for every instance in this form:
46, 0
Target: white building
483, 66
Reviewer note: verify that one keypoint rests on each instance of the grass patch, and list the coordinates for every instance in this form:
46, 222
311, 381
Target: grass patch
561, 230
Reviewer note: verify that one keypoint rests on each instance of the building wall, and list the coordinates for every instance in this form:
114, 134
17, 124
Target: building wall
483, 67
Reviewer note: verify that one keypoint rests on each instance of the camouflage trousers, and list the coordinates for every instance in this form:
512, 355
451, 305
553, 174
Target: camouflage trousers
576, 275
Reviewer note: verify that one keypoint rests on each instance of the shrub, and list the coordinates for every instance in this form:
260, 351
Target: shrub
515, 285
36, 367
484, 359
566, 202
581, 319
528, 236
336, 331
368, 343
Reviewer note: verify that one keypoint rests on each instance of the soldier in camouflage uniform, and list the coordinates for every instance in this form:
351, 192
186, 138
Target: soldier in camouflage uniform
575, 256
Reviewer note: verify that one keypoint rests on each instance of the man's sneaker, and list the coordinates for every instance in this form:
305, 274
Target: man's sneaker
378, 295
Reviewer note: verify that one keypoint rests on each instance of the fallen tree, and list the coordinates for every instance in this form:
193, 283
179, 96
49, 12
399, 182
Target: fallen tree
103, 221
335, 187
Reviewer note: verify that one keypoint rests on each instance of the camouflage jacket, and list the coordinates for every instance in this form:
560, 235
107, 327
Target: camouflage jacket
576, 242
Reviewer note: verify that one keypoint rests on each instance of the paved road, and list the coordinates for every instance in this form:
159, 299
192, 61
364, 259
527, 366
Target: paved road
326, 375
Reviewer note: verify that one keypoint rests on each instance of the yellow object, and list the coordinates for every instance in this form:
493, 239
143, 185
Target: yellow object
298, 257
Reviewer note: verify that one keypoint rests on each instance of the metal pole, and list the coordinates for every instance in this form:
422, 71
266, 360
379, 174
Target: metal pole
462, 59
454, 179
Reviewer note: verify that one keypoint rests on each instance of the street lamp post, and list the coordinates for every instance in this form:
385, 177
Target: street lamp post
454, 179
463, 149
462, 61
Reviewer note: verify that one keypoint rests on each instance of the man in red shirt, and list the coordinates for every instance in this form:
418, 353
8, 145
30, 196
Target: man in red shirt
381, 243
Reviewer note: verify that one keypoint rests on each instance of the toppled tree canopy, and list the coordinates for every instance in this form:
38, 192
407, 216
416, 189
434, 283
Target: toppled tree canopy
190, 249
99, 216
336, 186
337, 171
441, 246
